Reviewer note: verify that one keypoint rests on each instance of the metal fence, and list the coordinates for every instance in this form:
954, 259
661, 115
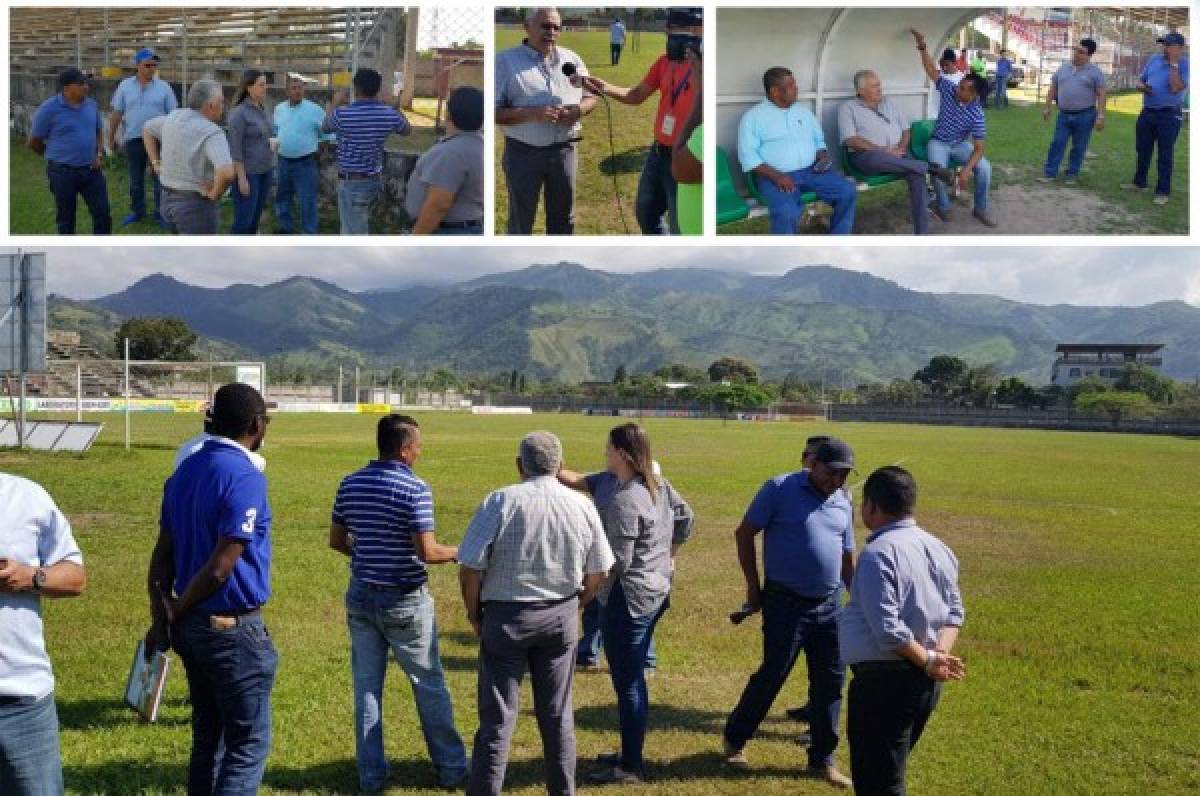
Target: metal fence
1061, 419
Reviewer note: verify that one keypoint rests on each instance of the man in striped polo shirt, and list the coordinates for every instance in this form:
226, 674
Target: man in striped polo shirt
362, 129
383, 520
959, 135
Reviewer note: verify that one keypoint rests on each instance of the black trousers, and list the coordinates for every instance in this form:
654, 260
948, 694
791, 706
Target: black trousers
886, 715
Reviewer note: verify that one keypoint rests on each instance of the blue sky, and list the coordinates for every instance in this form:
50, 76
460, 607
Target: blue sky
1108, 275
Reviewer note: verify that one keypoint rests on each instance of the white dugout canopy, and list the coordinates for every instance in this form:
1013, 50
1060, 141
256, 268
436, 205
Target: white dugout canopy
824, 47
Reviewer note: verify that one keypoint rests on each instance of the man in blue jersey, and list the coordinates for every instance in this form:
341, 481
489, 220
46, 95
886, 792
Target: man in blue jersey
958, 137
362, 128
383, 520
1164, 84
210, 575
808, 554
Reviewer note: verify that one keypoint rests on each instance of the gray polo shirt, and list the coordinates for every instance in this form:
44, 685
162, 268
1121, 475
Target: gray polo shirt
882, 126
535, 541
190, 148
524, 79
250, 130
454, 164
1077, 87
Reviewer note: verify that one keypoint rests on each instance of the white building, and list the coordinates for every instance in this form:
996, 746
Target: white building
1078, 361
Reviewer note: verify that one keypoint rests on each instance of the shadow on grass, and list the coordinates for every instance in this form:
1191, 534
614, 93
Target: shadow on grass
91, 714
125, 776
627, 162
670, 717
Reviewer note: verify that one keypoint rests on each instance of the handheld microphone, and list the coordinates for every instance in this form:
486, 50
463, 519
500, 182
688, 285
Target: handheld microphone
572, 74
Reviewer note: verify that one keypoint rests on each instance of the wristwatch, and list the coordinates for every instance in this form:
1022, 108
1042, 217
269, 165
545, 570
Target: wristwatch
39, 580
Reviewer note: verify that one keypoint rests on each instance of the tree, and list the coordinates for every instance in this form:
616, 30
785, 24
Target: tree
734, 370
621, 375
521, 384
944, 375
1136, 377
978, 385
512, 381
441, 380
1016, 392
1116, 404
167, 339
678, 372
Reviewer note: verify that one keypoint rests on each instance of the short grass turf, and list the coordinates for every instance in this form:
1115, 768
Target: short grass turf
31, 205
1017, 143
1078, 556
631, 128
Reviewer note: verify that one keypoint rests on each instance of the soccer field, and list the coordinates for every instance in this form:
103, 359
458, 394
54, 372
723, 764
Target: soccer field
632, 129
1078, 553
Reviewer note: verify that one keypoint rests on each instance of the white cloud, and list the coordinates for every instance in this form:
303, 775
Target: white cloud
1108, 275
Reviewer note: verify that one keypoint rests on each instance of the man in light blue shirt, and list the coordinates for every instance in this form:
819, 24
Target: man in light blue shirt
38, 558
1164, 81
896, 633
781, 142
137, 100
616, 40
298, 128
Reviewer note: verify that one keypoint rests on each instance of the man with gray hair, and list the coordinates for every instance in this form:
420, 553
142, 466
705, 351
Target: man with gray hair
195, 166
876, 133
532, 555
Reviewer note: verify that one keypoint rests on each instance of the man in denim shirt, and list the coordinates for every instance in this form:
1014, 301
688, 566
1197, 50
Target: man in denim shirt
383, 520
896, 633
808, 553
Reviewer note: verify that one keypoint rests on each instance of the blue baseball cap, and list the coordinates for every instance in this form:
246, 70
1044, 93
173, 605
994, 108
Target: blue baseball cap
144, 54
1174, 37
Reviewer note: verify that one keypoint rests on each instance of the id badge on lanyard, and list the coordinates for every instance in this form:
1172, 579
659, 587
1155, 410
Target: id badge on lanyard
668, 121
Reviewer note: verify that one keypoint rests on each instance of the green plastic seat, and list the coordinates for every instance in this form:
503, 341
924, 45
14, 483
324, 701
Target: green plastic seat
918, 144
873, 181
730, 204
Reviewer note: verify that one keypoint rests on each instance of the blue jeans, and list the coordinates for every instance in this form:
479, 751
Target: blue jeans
382, 620
656, 194
30, 764
1077, 128
248, 209
297, 178
626, 642
1001, 91
355, 198
1157, 126
786, 208
792, 623
67, 182
230, 674
588, 652
135, 153
944, 154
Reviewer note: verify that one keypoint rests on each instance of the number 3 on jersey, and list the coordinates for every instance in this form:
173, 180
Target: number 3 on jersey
248, 525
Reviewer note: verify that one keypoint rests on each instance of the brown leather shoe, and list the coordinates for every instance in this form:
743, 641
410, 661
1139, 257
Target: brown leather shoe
830, 775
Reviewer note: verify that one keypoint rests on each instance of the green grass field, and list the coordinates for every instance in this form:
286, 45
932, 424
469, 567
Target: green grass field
632, 131
1078, 556
31, 205
1016, 146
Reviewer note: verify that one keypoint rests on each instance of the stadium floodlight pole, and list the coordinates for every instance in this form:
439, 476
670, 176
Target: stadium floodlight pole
127, 393
78, 393
339, 392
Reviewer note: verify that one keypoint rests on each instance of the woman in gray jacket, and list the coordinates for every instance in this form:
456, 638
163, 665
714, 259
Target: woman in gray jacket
249, 131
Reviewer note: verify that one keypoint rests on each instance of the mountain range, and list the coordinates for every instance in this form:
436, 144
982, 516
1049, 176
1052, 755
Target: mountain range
567, 322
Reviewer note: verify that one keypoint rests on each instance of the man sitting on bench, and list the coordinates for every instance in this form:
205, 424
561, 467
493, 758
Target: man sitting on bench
876, 134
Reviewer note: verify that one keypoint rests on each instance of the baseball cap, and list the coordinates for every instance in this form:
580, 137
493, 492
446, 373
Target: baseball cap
685, 17
144, 54
836, 455
71, 77
813, 443
1174, 37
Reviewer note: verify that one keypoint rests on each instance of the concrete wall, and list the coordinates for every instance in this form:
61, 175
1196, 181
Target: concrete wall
27, 92
824, 47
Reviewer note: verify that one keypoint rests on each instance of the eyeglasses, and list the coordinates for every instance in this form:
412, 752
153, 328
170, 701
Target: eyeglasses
551, 26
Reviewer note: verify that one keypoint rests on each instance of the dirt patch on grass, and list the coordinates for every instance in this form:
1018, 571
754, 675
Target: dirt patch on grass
1049, 209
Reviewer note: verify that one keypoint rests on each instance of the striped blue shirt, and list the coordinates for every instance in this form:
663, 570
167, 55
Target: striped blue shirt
362, 129
382, 506
956, 121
